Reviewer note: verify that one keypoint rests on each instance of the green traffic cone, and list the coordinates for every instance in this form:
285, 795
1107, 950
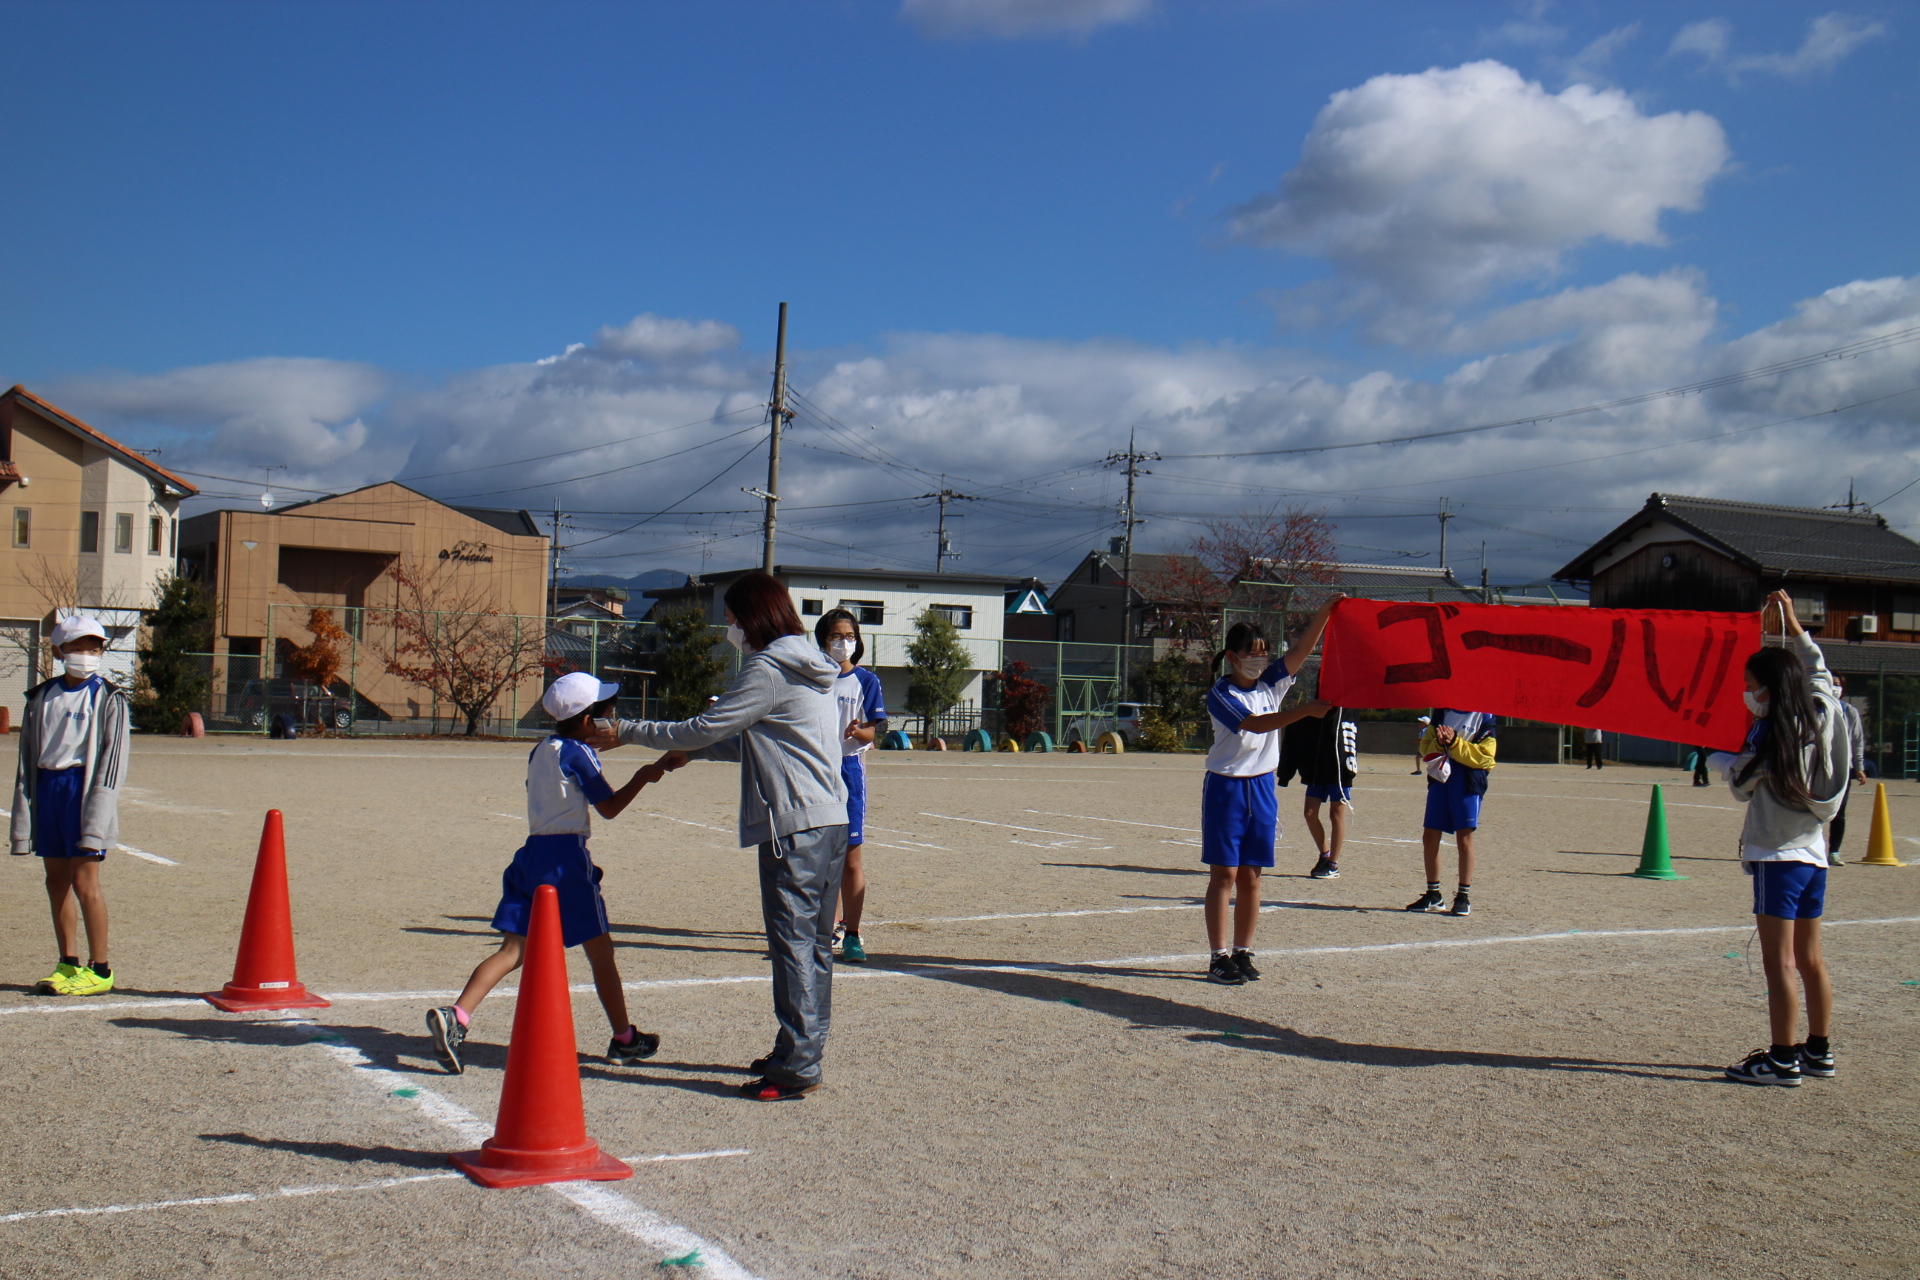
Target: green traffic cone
1656, 858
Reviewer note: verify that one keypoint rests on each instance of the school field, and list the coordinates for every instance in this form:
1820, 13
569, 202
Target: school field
1030, 1079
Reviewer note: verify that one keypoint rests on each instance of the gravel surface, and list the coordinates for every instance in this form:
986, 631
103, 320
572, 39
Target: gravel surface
1029, 1078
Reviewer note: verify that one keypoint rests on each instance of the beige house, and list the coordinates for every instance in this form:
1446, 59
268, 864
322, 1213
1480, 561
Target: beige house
91, 525
269, 569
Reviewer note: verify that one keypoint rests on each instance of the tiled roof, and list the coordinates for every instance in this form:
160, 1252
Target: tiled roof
133, 458
1814, 541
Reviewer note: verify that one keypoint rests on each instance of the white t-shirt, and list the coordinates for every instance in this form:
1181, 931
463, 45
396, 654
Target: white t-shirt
66, 718
1815, 851
1246, 755
563, 780
1594, 737
861, 702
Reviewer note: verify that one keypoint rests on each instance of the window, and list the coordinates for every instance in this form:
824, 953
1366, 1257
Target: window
960, 615
1906, 611
1810, 603
812, 608
155, 533
123, 532
89, 532
22, 526
871, 613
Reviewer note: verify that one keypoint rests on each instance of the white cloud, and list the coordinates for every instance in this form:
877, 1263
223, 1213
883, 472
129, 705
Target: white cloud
1017, 19
1431, 189
1589, 65
665, 338
1829, 39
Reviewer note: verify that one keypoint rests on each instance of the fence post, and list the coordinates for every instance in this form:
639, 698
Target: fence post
353, 674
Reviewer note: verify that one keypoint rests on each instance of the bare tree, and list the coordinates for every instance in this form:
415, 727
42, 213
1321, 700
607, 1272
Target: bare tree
448, 638
57, 584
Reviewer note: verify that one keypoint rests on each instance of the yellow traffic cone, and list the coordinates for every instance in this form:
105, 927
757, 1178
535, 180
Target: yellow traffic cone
1880, 839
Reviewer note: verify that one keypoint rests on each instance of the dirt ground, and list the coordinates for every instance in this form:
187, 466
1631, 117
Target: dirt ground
1030, 1078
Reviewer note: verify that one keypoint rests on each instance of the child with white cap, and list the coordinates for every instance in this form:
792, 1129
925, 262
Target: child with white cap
74, 739
563, 779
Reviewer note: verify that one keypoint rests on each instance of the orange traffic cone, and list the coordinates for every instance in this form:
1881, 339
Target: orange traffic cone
1880, 840
264, 976
541, 1133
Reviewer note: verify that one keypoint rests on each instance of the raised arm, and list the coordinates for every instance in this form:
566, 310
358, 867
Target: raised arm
1303, 647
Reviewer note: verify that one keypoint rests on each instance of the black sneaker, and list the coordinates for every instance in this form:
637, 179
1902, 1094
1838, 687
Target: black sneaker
1817, 1065
1243, 961
1428, 901
1325, 869
1461, 906
643, 1045
1225, 972
760, 1066
448, 1035
1760, 1068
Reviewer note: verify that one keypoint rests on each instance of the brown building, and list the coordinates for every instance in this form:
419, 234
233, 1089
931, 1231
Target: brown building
1855, 582
91, 525
268, 569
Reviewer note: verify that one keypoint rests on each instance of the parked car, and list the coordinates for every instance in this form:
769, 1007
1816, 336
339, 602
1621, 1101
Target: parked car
307, 702
1123, 719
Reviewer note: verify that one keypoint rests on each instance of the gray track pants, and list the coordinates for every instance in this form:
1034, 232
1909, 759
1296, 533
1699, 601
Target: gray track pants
799, 895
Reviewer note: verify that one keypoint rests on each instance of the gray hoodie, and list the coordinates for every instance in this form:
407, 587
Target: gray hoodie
781, 721
105, 761
1825, 761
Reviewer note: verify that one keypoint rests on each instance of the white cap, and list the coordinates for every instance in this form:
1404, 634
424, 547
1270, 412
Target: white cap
75, 625
575, 692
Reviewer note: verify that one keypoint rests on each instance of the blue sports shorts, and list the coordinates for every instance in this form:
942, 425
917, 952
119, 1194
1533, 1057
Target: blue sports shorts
1450, 807
1788, 890
57, 794
853, 771
563, 862
1335, 794
1239, 820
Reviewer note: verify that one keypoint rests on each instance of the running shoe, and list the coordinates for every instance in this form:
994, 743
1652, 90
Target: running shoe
1225, 972
1760, 1068
1428, 901
448, 1035
1817, 1065
773, 1091
57, 982
643, 1045
1461, 906
852, 950
1243, 961
85, 982
760, 1066
1325, 869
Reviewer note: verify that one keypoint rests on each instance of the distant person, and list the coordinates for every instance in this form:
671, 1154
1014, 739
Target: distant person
563, 779
1423, 722
1700, 771
1457, 751
781, 721
863, 719
1792, 776
1596, 746
1239, 803
74, 743
1322, 751
1857, 736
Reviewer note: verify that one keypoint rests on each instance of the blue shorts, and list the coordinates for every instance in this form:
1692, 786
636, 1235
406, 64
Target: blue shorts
56, 813
1239, 820
1336, 794
1788, 890
853, 772
1450, 808
563, 862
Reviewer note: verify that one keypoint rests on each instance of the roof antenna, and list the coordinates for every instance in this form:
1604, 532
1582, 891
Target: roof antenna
266, 496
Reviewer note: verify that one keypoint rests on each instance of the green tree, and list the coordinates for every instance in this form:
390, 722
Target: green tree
1176, 687
938, 666
171, 678
689, 669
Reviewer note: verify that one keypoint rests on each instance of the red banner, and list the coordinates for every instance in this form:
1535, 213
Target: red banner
1658, 673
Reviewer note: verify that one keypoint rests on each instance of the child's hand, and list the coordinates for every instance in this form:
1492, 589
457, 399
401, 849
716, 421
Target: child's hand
649, 774
1317, 709
1442, 734
672, 760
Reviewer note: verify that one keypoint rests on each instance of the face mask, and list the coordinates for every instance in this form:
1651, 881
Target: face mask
1251, 666
840, 649
736, 637
1758, 704
81, 665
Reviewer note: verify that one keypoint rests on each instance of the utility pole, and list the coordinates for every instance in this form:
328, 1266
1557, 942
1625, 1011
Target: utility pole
778, 417
943, 552
553, 565
1132, 458
1445, 515
1486, 595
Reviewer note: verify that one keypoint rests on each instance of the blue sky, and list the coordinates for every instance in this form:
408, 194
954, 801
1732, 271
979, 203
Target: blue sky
340, 239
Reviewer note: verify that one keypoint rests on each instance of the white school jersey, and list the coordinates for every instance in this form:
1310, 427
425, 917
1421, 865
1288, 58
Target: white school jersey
1246, 755
563, 782
66, 717
858, 694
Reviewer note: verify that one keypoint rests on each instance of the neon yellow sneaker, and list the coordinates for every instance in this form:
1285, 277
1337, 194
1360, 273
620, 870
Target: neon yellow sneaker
58, 982
88, 983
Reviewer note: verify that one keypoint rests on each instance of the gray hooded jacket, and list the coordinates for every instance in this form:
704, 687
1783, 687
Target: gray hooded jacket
105, 762
781, 722
1825, 762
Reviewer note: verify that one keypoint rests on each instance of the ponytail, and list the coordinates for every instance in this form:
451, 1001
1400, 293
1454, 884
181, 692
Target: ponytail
1240, 638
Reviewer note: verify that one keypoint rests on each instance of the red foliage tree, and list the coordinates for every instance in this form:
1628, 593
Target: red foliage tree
1023, 700
449, 639
322, 659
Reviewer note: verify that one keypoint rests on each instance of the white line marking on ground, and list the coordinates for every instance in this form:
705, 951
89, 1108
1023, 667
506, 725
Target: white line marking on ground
1008, 826
1084, 817
1265, 906
159, 1003
150, 857
688, 822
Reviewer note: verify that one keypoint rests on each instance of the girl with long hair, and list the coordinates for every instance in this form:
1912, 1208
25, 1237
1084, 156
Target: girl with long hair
863, 718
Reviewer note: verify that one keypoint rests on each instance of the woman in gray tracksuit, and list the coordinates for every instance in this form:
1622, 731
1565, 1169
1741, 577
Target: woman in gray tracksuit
781, 721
